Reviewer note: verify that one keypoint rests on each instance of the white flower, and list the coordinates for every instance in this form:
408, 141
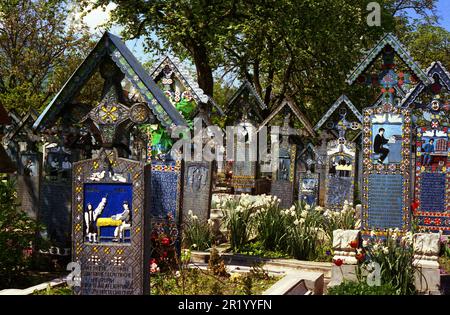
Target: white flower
372, 233
293, 213
190, 213
296, 222
385, 250
292, 208
319, 208
307, 207
376, 247
194, 245
194, 217
177, 274
210, 222
302, 220
304, 214
365, 243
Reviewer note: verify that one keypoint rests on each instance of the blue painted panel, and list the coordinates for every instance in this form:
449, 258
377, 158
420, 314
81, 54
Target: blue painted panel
116, 195
385, 206
432, 193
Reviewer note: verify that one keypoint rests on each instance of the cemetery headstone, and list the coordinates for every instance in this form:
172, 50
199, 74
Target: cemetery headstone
108, 226
432, 176
430, 106
340, 173
308, 190
166, 195
198, 177
387, 158
283, 179
387, 136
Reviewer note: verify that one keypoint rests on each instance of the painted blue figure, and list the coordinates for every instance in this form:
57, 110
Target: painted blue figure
428, 148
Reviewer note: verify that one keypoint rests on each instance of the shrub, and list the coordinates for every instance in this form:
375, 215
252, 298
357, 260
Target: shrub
17, 233
196, 233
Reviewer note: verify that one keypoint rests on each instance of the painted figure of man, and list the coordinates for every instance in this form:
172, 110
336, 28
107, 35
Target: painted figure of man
378, 148
90, 218
428, 148
124, 216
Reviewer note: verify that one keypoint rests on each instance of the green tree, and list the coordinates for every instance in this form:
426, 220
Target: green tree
428, 43
301, 48
39, 48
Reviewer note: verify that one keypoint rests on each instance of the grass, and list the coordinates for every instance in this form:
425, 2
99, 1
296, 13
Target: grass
58, 290
202, 282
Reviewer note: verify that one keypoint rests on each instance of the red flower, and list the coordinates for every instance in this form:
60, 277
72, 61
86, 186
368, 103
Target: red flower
338, 262
354, 244
152, 261
165, 241
415, 205
360, 257
164, 254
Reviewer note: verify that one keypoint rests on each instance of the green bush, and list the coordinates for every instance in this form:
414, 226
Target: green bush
361, 288
17, 233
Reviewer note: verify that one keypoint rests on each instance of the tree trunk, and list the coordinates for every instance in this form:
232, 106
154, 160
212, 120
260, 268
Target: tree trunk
204, 71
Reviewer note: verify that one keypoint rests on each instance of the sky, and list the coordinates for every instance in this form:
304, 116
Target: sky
97, 17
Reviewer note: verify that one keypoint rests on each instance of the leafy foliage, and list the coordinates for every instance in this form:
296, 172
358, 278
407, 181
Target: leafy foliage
39, 49
361, 288
196, 233
17, 232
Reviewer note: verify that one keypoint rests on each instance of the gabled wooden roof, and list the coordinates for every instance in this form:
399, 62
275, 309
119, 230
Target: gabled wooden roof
435, 69
343, 99
391, 40
113, 47
297, 112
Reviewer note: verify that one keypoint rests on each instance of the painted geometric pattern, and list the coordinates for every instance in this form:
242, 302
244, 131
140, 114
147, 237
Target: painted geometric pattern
156, 108
166, 194
110, 254
432, 189
403, 168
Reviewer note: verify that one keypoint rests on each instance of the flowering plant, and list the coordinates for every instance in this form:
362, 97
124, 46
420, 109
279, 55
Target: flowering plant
197, 234
394, 254
164, 243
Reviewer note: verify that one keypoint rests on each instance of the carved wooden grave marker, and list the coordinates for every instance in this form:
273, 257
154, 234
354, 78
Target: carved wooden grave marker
386, 178
108, 226
340, 173
387, 136
432, 183
198, 178
166, 190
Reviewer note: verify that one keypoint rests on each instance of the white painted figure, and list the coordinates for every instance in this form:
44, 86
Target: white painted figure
124, 216
90, 217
